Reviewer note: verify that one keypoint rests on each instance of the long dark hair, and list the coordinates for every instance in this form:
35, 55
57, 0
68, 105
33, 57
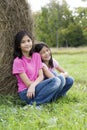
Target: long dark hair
38, 47
17, 42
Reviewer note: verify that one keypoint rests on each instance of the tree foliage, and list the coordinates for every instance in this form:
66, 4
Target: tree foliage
58, 26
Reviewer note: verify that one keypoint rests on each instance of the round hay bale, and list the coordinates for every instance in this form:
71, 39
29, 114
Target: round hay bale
15, 15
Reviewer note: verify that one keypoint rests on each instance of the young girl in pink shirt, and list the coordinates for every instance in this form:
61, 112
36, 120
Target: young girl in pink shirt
51, 66
27, 67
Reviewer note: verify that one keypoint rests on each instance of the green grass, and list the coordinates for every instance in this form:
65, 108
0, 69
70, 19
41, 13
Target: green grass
67, 113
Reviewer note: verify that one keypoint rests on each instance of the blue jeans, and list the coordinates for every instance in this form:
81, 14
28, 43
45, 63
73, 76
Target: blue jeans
61, 77
45, 92
66, 84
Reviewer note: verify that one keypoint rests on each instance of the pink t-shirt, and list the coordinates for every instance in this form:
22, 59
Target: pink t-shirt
29, 66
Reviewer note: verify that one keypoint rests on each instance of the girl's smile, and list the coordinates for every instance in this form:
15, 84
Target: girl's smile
45, 54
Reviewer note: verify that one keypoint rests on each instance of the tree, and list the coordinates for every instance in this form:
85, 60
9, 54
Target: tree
50, 19
75, 36
58, 26
81, 20
71, 36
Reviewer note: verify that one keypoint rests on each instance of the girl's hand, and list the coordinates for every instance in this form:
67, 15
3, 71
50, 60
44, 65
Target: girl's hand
65, 74
31, 91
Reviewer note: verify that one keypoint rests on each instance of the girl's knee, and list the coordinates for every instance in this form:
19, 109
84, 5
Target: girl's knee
70, 80
57, 81
63, 80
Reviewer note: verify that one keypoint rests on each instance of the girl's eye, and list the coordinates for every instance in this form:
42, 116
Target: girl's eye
28, 40
47, 50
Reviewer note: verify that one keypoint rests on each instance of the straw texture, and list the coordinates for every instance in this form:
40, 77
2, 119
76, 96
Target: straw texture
15, 15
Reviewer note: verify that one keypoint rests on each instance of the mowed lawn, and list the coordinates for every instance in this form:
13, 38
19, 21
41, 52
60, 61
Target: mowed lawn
67, 113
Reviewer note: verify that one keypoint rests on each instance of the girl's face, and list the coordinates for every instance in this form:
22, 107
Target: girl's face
45, 54
26, 44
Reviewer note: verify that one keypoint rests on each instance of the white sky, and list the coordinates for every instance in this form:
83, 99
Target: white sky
37, 4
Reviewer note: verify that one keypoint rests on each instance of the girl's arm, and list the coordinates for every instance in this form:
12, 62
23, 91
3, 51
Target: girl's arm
28, 82
59, 68
25, 79
31, 84
62, 71
47, 72
39, 78
31, 89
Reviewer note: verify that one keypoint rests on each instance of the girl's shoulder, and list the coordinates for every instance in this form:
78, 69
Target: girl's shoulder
17, 60
55, 62
36, 55
44, 65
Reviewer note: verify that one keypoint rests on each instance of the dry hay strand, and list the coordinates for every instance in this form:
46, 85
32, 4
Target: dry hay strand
15, 15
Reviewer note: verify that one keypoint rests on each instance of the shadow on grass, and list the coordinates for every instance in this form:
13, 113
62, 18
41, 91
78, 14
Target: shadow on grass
11, 100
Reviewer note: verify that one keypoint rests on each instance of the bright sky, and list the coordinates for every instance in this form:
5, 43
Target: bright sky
37, 4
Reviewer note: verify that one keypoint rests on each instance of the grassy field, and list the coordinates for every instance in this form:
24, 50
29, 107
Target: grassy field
67, 113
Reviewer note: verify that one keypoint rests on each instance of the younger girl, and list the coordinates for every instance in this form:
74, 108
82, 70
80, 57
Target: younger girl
27, 67
52, 64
